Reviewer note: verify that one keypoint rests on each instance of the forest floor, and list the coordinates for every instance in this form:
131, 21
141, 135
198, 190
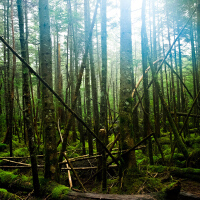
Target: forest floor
144, 181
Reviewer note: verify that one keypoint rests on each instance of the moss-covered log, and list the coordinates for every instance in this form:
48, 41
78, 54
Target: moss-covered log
11, 180
4, 194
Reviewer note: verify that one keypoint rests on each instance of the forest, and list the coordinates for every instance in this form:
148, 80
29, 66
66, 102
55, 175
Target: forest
99, 99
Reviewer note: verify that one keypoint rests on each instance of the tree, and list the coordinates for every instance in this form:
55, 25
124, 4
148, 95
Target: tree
103, 107
87, 74
144, 42
126, 65
27, 102
51, 162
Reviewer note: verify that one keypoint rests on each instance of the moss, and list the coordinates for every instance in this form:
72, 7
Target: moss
60, 191
4, 154
25, 178
7, 177
5, 195
3, 190
14, 180
159, 169
21, 152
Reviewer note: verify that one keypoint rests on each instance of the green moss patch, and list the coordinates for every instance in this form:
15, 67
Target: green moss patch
4, 195
21, 152
12, 180
7, 177
60, 191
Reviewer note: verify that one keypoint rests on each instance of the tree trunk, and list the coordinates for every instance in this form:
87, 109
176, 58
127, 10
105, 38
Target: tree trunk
51, 163
87, 75
198, 46
27, 102
155, 96
145, 80
126, 65
193, 71
103, 106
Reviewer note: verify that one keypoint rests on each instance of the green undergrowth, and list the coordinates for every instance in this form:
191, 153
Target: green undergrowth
132, 182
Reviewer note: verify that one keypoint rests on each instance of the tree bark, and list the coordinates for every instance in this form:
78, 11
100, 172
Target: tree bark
27, 102
51, 163
126, 65
87, 75
144, 43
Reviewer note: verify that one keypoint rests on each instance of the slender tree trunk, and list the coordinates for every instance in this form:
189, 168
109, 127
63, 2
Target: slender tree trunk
164, 114
183, 104
87, 75
94, 96
8, 87
13, 77
27, 102
103, 106
60, 84
51, 162
193, 71
126, 65
144, 42
198, 46
155, 95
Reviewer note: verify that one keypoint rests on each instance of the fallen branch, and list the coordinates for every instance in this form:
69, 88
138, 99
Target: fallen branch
18, 167
69, 175
18, 163
78, 179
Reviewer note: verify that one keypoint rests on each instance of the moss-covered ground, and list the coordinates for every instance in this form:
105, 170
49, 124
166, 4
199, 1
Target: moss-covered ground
144, 179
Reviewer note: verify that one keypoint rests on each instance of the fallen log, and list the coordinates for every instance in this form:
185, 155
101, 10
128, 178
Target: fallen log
86, 168
18, 163
185, 114
4, 194
19, 166
190, 173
